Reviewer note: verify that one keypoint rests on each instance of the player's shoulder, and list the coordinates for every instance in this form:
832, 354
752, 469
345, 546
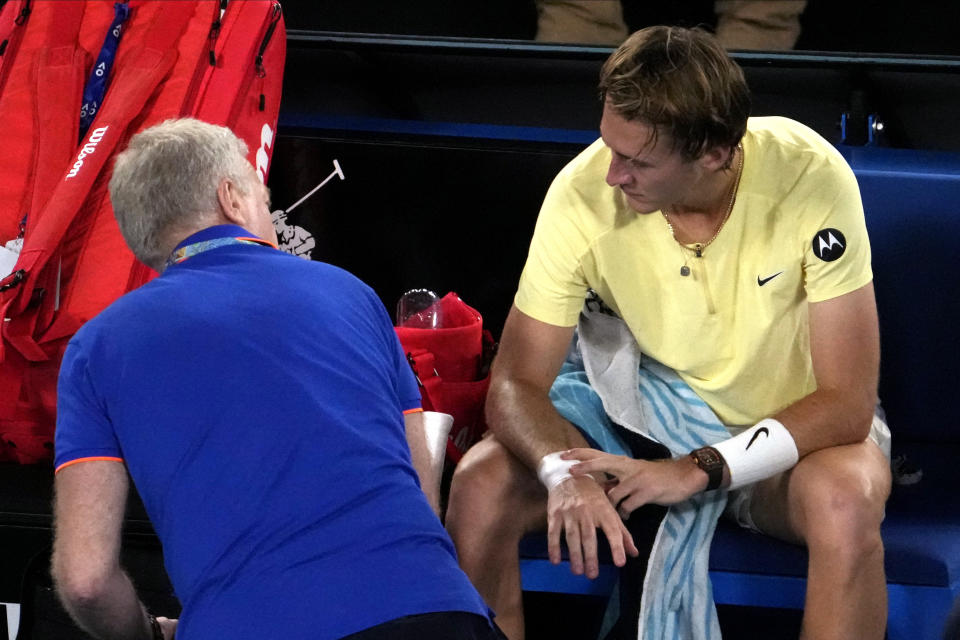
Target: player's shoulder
786, 136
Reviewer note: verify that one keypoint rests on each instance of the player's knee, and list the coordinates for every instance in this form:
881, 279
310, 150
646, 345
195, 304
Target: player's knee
843, 515
484, 493
480, 477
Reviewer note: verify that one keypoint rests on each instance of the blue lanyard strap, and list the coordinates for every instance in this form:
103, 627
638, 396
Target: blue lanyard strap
190, 250
96, 85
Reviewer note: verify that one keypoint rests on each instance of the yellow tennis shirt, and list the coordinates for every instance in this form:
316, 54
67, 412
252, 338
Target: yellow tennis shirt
736, 328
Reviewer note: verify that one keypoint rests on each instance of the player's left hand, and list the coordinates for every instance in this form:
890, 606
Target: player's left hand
640, 482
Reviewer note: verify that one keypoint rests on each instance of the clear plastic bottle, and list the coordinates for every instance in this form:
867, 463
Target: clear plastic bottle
419, 309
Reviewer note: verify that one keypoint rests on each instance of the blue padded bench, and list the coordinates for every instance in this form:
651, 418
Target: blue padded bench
912, 204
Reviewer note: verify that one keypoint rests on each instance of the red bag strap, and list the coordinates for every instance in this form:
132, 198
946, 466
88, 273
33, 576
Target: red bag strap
59, 89
13, 19
9, 19
422, 363
47, 41
56, 71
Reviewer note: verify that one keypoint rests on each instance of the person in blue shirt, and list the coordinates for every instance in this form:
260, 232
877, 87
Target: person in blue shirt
261, 405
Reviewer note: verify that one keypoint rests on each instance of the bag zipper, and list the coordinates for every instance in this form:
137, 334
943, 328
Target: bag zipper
274, 19
200, 71
24, 13
258, 62
215, 33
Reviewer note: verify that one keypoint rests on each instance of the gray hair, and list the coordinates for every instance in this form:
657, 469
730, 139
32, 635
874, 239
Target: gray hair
166, 181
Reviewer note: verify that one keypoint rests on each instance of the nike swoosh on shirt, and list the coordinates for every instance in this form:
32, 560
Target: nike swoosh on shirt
763, 281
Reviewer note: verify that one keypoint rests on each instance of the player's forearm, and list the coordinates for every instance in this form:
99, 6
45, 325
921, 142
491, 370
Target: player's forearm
525, 421
822, 419
829, 418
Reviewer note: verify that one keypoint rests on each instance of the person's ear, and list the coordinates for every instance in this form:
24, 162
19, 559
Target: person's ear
717, 157
229, 199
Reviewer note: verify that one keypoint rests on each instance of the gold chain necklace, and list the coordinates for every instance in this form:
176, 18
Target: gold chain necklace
698, 247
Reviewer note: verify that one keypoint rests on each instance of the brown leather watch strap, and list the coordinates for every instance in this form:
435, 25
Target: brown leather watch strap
710, 460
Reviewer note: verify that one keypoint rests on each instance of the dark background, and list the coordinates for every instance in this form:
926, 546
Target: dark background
894, 26
445, 174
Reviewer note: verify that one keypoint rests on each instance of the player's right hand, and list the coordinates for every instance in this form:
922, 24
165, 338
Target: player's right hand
579, 506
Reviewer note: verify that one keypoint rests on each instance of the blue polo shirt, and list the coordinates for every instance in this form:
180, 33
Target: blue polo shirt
257, 400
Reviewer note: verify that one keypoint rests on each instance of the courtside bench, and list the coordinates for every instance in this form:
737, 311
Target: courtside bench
912, 204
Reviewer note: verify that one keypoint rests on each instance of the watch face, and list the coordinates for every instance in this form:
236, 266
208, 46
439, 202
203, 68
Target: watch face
710, 461
708, 458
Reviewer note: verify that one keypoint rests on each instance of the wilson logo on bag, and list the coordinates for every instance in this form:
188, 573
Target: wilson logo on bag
87, 150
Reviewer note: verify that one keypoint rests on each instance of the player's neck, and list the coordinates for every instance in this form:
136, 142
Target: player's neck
709, 206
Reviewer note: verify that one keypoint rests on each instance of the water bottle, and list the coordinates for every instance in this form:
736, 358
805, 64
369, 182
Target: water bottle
419, 309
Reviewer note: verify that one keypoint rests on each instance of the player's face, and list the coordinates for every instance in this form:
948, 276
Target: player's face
652, 175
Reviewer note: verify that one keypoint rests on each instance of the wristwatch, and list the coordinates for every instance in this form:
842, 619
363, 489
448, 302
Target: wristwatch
710, 460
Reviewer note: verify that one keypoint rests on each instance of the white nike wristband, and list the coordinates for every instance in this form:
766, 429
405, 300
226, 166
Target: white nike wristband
762, 451
553, 470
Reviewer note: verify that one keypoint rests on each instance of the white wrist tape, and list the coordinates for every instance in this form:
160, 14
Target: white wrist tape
553, 470
762, 451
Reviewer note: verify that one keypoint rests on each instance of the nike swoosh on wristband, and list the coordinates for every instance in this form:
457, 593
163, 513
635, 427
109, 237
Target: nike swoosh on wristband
764, 281
762, 430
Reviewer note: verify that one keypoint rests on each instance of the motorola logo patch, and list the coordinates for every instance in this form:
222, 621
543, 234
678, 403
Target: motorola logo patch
829, 244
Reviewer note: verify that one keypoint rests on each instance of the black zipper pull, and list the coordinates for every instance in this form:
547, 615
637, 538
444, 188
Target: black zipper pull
215, 33
413, 365
261, 72
13, 280
24, 13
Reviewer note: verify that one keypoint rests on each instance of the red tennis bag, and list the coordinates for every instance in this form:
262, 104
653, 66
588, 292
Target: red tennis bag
220, 61
452, 366
13, 14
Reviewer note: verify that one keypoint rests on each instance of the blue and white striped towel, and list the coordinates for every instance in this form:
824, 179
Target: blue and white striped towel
649, 398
